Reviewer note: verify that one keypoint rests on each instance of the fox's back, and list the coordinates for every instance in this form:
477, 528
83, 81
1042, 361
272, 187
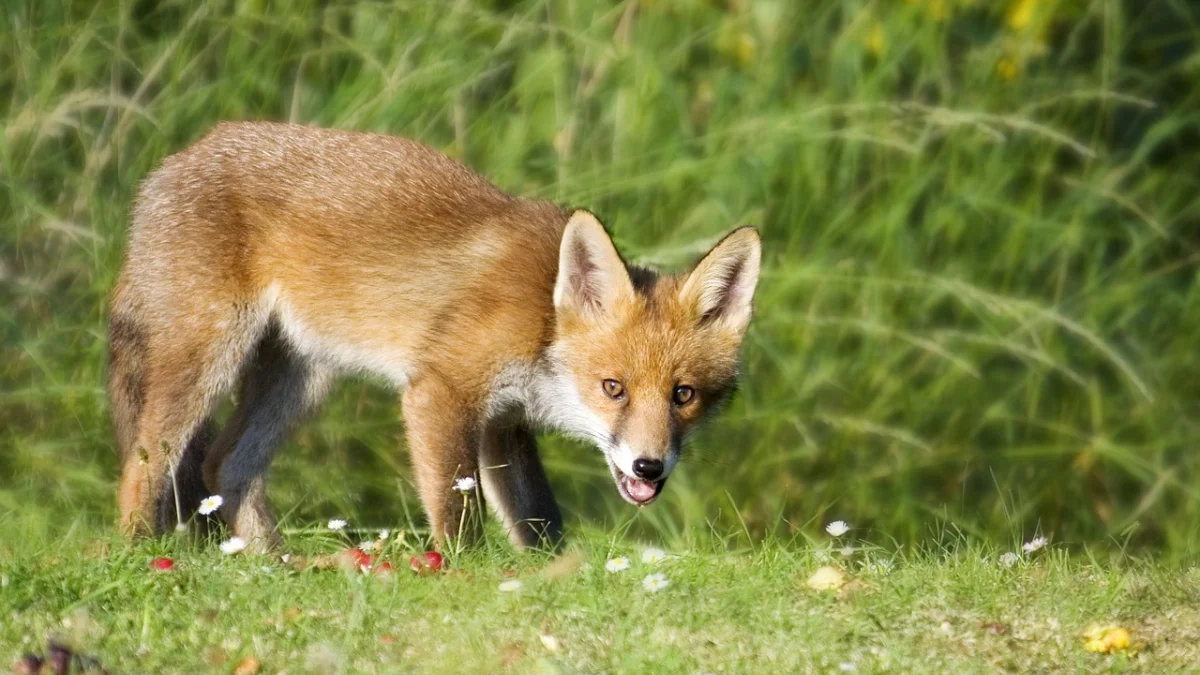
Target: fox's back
358, 238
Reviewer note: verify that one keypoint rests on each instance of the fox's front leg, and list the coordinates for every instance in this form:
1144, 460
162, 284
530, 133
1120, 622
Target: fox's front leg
443, 437
516, 486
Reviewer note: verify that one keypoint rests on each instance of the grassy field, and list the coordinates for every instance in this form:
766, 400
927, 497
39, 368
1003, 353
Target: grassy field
978, 316
948, 609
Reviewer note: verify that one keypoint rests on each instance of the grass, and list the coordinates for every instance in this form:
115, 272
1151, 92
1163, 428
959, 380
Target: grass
735, 609
977, 315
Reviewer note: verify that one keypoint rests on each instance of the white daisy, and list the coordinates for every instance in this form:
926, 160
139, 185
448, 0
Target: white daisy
1009, 559
233, 545
655, 582
337, 524
384, 534
510, 586
837, 528
465, 484
617, 564
367, 546
653, 556
210, 504
1035, 545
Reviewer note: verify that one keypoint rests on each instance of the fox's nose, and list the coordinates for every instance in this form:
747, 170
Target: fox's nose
647, 469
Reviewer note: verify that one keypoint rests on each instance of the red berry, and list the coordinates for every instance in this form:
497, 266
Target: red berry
426, 563
162, 564
358, 559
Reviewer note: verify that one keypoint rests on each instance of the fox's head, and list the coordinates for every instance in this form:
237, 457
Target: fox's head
640, 359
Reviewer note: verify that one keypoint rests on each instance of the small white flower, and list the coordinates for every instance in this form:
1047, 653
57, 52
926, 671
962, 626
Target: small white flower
367, 546
337, 524
846, 551
653, 556
510, 586
210, 504
1036, 545
837, 528
384, 534
233, 545
617, 564
465, 484
655, 582
1009, 559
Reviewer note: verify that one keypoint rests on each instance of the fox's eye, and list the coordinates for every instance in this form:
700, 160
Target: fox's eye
683, 395
614, 389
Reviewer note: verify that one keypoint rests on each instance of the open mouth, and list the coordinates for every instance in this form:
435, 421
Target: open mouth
635, 490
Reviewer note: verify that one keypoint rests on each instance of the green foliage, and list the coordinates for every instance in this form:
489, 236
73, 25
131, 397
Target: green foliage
980, 295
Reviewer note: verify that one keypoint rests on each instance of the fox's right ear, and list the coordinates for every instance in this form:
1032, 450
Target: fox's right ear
591, 275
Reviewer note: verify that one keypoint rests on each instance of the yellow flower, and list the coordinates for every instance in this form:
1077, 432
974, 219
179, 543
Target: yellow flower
875, 40
1020, 13
1006, 68
826, 578
1106, 639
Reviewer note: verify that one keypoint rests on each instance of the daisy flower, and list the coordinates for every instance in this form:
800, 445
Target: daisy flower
367, 546
655, 582
837, 528
653, 556
464, 484
510, 586
233, 545
210, 504
337, 524
1035, 545
617, 564
384, 534
1009, 559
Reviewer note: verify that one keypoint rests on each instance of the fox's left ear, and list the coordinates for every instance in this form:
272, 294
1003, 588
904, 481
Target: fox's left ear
721, 287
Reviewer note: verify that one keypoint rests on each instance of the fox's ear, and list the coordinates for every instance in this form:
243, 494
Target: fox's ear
722, 285
591, 275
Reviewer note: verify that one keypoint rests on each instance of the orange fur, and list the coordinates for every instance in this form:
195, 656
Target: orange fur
279, 256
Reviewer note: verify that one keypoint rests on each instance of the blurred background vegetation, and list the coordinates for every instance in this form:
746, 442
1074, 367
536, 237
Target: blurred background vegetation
980, 309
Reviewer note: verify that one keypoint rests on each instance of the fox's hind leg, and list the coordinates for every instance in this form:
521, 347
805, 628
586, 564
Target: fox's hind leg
165, 392
279, 389
515, 484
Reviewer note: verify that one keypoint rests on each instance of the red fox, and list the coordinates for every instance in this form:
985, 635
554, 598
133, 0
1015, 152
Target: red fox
274, 257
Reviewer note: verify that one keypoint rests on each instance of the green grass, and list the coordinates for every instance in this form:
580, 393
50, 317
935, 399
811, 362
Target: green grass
978, 315
732, 610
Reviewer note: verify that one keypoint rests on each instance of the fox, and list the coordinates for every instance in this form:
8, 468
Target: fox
268, 259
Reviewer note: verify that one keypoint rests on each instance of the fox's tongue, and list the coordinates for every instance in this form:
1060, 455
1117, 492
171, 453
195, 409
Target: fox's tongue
640, 490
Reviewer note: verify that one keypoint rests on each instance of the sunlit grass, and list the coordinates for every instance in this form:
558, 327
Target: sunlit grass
946, 608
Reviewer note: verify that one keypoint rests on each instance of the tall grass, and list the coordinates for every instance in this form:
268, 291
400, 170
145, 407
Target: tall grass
980, 302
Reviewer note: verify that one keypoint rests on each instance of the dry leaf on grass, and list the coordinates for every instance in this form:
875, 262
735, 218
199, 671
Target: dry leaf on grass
563, 566
247, 666
826, 578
